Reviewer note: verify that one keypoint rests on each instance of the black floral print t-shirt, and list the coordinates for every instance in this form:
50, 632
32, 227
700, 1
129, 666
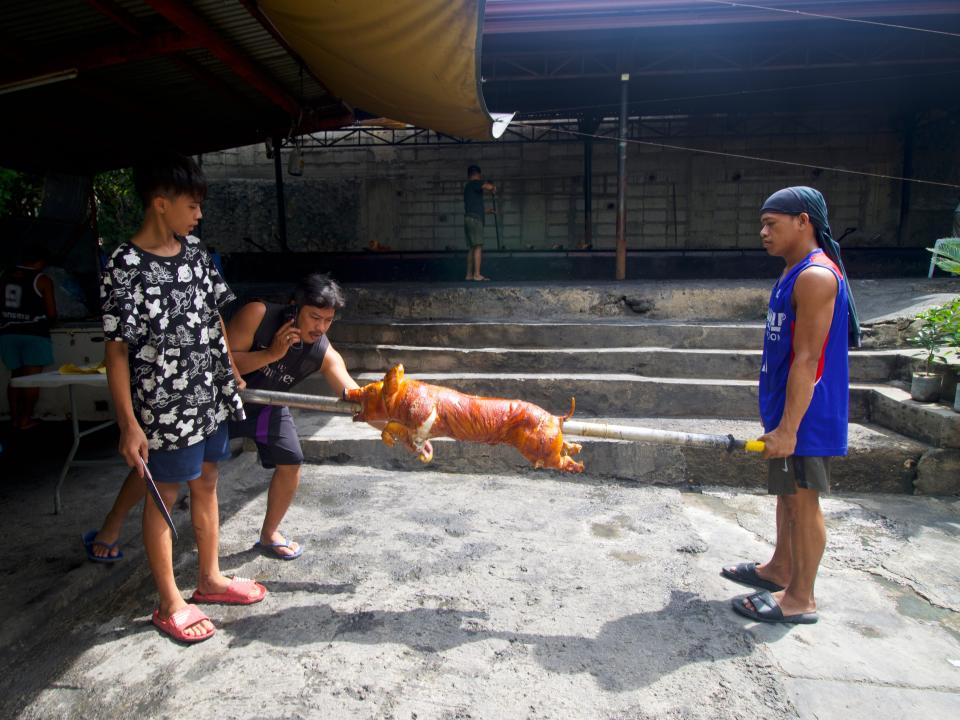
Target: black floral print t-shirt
167, 311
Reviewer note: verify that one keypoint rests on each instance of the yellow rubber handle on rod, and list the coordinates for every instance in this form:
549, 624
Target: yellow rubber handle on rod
755, 446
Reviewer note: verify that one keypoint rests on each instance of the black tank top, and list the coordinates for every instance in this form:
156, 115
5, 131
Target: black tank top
299, 363
23, 311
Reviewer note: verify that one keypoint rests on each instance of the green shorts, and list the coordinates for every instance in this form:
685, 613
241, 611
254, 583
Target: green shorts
472, 231
809, 472
18, 351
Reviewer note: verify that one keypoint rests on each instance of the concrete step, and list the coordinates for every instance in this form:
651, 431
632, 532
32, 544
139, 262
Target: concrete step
549, 334
879, 460
933, 423
865, 366
695, 300
610, 394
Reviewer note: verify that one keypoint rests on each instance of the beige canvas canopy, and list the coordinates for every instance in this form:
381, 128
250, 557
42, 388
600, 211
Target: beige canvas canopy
416, 61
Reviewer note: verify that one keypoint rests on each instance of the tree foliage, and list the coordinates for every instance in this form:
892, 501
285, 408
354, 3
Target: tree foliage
20, 193
118, 207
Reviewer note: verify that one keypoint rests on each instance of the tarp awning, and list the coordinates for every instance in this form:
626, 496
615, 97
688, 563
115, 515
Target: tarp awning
416, 61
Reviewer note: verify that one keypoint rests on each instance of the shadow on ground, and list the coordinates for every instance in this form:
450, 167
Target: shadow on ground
628, 653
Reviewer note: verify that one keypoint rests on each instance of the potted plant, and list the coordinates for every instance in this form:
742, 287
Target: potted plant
946, 255
952, 333
931, 336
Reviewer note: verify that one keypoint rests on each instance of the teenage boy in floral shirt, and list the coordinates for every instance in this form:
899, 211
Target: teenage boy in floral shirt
173, 382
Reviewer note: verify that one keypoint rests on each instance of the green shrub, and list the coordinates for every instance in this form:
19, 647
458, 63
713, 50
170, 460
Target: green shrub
939, 329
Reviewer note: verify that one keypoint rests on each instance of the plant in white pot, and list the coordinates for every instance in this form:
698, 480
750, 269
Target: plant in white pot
931, 337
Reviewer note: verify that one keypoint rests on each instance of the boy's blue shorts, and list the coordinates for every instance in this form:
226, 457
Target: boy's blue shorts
184, 464
17, 351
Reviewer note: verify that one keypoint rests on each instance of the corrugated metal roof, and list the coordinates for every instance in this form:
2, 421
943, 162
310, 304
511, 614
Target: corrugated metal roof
192, 100
233, 20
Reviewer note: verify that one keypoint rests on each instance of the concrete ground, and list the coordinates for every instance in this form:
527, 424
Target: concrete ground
508, 594
430, 595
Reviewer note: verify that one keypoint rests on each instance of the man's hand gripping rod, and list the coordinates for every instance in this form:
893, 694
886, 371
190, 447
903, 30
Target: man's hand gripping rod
574, 428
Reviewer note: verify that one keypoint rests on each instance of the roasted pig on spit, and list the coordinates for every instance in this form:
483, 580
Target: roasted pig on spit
414, 412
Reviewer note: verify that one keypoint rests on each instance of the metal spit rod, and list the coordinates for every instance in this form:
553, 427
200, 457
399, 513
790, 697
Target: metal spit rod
575, 428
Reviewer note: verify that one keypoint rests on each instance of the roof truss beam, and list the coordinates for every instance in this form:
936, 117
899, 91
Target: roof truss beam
699, 58
128, 22
185, 18
517, 16
163, 43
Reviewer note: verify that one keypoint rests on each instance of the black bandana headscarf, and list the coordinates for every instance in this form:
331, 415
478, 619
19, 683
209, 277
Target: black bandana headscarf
802, 199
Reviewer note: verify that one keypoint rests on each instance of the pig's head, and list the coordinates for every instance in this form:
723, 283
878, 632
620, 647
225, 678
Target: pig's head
370, 399
375, 398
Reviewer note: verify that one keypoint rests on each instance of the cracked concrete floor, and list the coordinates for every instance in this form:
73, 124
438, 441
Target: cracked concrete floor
431, 595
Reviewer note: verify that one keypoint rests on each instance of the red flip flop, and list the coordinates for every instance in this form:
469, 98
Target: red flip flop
237, 593
179, 621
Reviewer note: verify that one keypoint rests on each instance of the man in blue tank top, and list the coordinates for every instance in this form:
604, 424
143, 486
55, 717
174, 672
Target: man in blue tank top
804, 394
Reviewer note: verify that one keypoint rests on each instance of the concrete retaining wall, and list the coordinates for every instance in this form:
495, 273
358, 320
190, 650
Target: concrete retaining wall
410, 197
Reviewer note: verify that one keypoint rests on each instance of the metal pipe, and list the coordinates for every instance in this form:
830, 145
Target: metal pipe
622, 181
661, 437
588, 190
299, 400
281, 202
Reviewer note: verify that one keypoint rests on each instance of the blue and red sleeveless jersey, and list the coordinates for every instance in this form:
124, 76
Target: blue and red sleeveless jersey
823, 430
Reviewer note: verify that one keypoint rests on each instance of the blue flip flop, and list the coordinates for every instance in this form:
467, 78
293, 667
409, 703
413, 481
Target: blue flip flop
274, 553
89, 542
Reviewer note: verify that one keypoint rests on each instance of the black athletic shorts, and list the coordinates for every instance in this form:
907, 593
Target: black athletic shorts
275, 433
785, 475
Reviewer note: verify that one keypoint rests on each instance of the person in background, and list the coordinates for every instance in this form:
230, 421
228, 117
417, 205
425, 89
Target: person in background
29, 308
473, 220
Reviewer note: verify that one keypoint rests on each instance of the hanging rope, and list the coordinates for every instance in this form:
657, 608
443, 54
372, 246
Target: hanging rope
756, 158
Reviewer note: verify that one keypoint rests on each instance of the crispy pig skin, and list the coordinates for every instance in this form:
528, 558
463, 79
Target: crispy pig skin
414, 412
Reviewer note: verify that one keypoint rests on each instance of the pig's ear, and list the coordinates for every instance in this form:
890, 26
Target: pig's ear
391, 381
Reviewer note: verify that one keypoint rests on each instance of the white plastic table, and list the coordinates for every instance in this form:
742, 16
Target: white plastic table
56, 380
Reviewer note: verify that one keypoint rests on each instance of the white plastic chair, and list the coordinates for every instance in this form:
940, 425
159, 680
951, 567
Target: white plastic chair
936, 246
